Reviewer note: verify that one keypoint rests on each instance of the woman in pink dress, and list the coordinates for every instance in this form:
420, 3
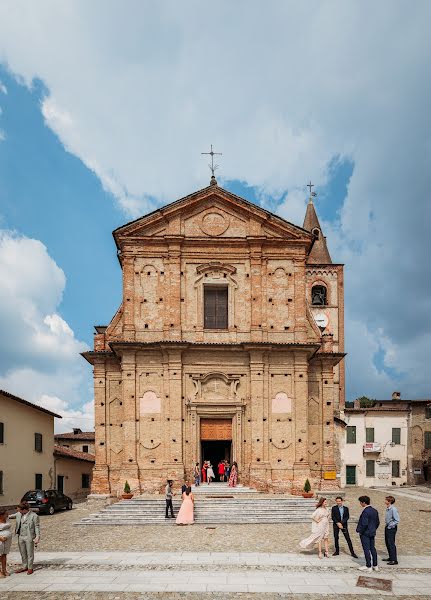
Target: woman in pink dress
233, 477
185, 515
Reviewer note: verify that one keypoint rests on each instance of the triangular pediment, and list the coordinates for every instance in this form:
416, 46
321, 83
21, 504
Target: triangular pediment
211, 212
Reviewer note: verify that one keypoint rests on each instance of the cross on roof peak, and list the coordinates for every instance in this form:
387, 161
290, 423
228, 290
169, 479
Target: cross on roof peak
212, 166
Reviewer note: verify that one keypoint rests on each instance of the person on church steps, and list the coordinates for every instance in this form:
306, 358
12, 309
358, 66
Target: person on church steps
233, 477
367, 527
169, 495
319, 529
197, 474
340, 517
210, 473
227, 470
392, 519
185, 485
221, 470
204, 471
185, 514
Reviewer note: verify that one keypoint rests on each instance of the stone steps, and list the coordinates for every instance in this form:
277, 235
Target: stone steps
145, 511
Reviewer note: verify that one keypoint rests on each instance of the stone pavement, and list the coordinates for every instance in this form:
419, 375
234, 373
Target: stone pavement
208, 573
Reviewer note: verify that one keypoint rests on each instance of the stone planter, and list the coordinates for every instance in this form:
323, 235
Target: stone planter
308, 494
127, 496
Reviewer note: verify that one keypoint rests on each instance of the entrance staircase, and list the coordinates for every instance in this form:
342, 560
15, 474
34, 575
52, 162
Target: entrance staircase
214, 504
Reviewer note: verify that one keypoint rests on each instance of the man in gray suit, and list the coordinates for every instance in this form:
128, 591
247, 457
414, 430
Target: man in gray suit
28, 531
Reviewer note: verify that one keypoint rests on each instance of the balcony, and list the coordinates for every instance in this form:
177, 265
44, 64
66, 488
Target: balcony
375, 447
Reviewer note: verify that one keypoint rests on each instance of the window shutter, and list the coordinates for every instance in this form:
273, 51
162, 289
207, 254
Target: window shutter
370, 468
1, 433
215, 307
395, 468
396, 435
38, 442
369, 435
351, 434
427, 440
221, 308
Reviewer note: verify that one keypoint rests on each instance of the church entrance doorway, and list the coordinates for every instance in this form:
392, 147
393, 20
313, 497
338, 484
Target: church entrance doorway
215, 451
216, 441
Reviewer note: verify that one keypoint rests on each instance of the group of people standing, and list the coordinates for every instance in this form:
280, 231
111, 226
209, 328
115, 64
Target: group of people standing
225, 471
368, 524
185, 515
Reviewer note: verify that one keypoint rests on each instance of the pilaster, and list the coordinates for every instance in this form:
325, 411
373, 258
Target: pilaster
301, 466
128, 376
300, 300
128, 297
100, 481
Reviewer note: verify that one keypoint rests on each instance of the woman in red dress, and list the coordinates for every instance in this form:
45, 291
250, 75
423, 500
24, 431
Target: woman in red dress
204, 471
221, 471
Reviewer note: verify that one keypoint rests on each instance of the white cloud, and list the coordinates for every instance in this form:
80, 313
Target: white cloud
39, 356
137, 91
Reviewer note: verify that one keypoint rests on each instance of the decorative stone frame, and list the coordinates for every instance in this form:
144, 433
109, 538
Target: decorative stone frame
215, 273
233, 407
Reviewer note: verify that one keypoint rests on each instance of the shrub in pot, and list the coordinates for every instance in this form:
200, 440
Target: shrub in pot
307, 493
127, 495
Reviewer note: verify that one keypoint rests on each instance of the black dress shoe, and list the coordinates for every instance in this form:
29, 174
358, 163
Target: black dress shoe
336, 554
392, 562
354, 555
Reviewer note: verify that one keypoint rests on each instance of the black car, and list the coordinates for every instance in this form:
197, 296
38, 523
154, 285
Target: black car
47, 501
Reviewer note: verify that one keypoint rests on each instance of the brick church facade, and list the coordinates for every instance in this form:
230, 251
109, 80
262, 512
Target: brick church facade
228, 344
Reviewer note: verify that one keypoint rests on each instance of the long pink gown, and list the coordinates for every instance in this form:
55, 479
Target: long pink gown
185, 515
233, 478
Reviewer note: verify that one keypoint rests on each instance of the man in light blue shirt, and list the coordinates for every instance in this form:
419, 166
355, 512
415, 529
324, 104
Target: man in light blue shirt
392, 519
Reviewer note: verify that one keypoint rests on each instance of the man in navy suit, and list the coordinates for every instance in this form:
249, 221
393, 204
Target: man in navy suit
340, 517
367, 526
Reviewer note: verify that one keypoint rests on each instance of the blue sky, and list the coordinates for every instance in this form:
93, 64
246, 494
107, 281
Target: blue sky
95, 132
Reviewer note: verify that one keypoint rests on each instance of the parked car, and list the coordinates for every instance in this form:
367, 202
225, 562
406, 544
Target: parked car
47, 501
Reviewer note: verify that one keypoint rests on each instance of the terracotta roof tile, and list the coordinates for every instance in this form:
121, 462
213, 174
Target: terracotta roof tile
84, 435
63, 452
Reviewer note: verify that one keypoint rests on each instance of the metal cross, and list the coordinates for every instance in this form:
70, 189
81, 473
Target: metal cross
212, 166
311, 186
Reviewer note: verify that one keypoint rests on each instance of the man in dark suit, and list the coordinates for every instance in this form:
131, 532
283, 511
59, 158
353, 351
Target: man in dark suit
340, 516
367, 527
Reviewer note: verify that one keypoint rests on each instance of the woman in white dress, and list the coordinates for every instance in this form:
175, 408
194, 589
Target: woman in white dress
210, 473
319, 529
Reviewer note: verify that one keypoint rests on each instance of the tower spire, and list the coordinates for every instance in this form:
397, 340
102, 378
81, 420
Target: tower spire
319, 253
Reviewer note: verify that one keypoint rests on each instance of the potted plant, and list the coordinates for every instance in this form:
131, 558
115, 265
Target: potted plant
127, 495
307, 493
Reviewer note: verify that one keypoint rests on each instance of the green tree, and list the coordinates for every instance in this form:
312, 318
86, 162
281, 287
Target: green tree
365, 402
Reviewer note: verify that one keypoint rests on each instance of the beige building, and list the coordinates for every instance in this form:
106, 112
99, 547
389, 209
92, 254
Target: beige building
228, 344
387, 443
376, 439
26, 448
82, 441
74, 471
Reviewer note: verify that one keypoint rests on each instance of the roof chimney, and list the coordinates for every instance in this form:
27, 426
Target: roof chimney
76, 430
396, 396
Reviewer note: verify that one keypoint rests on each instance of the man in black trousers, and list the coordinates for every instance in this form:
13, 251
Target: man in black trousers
367, 527
340, 516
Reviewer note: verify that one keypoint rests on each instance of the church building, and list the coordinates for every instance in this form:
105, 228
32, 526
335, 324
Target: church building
228, 344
